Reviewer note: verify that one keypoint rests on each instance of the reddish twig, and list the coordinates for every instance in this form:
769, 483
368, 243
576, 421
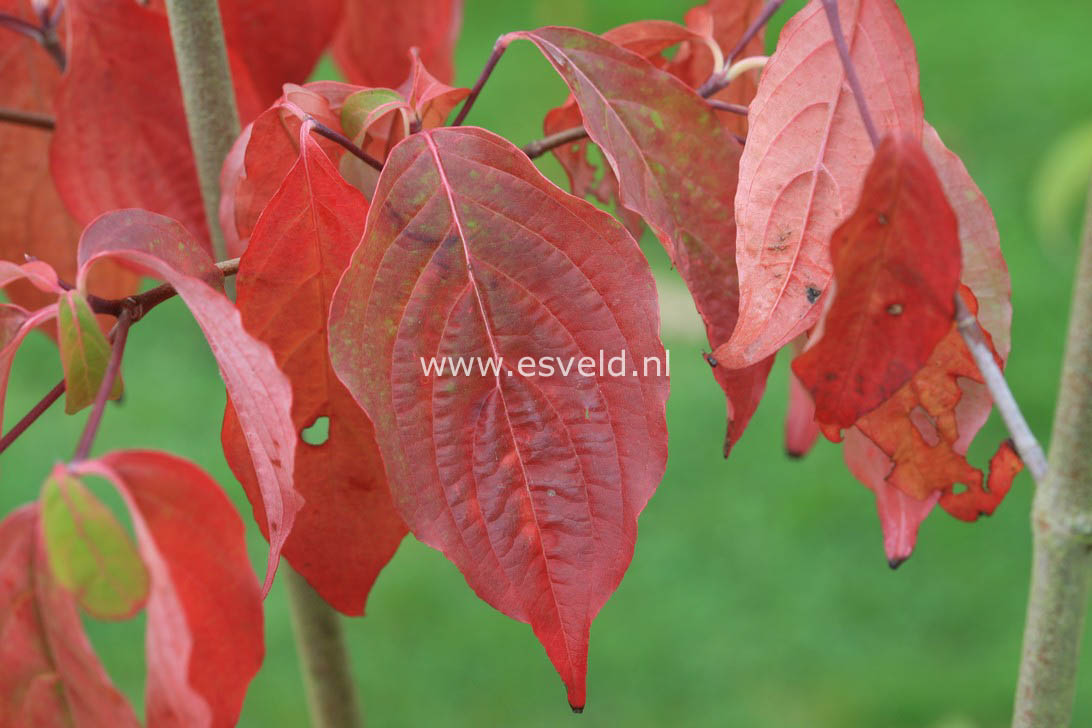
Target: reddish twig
541, 146
113, 368
731, 108
831, 8
31, 417
334, 136
498, 50
27, 118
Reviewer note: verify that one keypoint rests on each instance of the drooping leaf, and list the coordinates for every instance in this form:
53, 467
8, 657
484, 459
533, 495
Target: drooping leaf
373, 42
900, 514
347, 530
204, 636
801, 430
676, 167
530, 485
120, 92
89, 552
807, 153
896, 263
15, 324
33, 221
262, 394
85, 352
49, 674
37, 273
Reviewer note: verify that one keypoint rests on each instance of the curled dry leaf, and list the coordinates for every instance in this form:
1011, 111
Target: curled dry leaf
347, 530
530, 485
262, 395
806, 155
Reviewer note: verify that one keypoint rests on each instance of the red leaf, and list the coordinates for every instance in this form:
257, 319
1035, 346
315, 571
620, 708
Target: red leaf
531, 486
205, 639
900, 514
49, 674
801, 430
432, 99
976, 500
896, 271
15, 324
676, 167
121, 92
347, 530
261, 393
805, 159
372, 45
33, 221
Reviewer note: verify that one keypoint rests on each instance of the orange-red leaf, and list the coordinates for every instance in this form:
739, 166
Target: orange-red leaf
204, 635
347, 530
49, 674
373, 42
806, 156
530, 485
896, 270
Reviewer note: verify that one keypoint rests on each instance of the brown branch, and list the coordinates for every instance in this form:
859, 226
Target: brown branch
498, 50
140, 304
334, 136
113, 369
541, 146
31, 417
27, 118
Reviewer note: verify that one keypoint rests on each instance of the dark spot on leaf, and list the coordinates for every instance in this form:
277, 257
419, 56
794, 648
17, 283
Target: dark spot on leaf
317, 433
710, 360
882, 219
830, 376
813, 294
895, 309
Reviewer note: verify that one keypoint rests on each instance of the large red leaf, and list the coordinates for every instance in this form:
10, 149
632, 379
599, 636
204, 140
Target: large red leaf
896, 271
530, 485
806, 156
121, 138
676, 167
347, 529
261, 393
33, 221
373, 42
49, 675
205, 640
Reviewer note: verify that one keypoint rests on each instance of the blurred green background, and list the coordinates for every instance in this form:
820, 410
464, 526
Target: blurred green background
759, 594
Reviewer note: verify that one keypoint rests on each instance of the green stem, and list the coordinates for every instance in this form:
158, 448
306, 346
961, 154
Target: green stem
1062, 528
325, 662
209, 98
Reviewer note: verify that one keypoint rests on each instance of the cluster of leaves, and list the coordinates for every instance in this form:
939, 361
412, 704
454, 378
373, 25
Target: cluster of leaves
371, 237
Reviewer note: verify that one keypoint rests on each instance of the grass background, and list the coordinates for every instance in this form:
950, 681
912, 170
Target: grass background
759, 594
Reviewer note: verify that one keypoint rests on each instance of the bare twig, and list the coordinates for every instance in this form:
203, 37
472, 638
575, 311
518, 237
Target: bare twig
831, 8
113, 368
31, 417
731, 108
140, 304
334, 136
27, 118
719, 80
1023, 439
498, 50
541, 146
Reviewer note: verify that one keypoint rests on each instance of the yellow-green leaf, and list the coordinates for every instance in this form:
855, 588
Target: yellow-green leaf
90, 553
85, 352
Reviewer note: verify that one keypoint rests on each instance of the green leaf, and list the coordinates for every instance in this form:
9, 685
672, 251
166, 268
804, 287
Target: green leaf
364, 108
85, 352
89, 551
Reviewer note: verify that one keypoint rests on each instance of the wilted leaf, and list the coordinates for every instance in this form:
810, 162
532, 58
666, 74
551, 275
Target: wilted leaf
49, 674
204, 637
89, 552
530, 485
806, 156
896, 271
347, 530
676, 167
261, 393
85, 352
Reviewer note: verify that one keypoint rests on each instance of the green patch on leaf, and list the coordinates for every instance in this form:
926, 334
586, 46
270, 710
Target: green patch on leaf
85, 352
89, 551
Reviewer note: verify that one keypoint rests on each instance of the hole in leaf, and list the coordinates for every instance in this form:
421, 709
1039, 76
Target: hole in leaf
317, 433
959, 488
